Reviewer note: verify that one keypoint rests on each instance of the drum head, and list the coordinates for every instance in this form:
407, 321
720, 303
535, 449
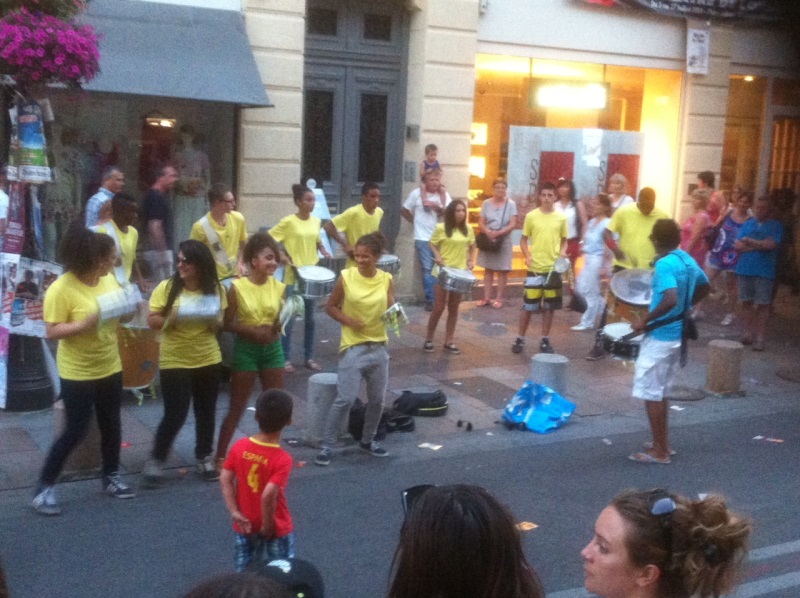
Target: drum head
561, 265
458, 273
633, 286
315, 273
387, 258
618, 330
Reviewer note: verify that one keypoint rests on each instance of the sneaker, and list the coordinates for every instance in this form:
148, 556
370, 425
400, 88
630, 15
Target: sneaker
452, 349
728, 320
323, 457
114, 486
428, 347
374, 449
579, 327
518, 346
153, 473
596, 353
206, 470
45, 502
544, 346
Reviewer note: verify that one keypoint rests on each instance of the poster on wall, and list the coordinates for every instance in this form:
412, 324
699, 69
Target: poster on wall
537, 155
33, 279
9, 266
697, 50
14, 239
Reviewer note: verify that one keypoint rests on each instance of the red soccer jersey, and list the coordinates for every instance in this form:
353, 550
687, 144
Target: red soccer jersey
256, 464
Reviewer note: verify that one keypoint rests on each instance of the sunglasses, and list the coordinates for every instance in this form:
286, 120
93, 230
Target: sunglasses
662, 506
183, 260
410, 495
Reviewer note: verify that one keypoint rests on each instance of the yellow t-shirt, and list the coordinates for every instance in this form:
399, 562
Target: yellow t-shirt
355, 223
127, 243
544, 232
186, 343
230, 236
93, 354
258, 304
634, 230
300, 238
365, 299
454, 249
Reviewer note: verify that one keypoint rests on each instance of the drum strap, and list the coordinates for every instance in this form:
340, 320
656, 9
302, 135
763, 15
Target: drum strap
220, 255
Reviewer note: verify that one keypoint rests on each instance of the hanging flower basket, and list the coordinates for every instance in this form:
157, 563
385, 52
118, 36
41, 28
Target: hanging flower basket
39, 48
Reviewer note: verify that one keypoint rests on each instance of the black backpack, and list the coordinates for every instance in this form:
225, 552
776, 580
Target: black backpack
391, 421
423, 404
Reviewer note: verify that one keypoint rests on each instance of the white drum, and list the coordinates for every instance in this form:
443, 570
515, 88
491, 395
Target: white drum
614, 342
389, 263
456, 280
315, 282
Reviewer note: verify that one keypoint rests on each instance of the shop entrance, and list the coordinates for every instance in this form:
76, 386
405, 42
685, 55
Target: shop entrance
354, 102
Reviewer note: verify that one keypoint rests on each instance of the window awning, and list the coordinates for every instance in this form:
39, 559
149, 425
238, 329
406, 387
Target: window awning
149, 48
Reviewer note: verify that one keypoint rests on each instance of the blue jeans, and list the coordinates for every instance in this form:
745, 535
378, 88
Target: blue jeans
257, 548
425, 257
308, 338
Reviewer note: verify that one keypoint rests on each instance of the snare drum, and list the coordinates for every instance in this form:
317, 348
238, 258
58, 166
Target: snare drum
315, 282
612, 341
138, 351
389, 263
456, 280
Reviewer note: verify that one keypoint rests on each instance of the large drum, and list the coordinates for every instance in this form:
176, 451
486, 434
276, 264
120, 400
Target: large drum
631, 290
456, 280
389, 263
614, 341
315, 282
138, 351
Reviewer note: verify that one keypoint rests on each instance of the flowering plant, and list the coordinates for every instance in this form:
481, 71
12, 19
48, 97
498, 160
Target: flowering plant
40, 48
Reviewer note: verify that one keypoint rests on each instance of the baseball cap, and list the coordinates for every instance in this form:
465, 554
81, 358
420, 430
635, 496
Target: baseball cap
298, 576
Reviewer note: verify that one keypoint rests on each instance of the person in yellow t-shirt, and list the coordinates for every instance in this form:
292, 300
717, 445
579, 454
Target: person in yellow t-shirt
453, 245
357, 221
300, 236
187, 308
227, 230
88, 361
359, 299
124, 214
546, 230
254, 306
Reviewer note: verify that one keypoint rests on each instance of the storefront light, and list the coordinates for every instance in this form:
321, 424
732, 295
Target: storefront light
477, 166
572, 96
749, 78
156, 119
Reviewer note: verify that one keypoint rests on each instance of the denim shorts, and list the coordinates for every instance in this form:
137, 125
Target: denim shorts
756, 289
257, 548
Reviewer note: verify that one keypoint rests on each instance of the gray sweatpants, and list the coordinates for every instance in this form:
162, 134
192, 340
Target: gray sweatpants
368, 362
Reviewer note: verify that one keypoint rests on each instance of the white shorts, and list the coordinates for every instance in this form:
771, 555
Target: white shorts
654, 368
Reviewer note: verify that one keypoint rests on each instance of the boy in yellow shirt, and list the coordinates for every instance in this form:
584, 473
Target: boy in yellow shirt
357, 221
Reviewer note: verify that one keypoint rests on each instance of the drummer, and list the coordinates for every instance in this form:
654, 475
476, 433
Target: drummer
453, 245
124, 209
223, 231
300, 236
677, 277
364, 219
254, 305
628, 237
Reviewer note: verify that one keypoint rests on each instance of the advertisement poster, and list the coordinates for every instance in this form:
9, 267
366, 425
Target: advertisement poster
14, 239
9, 266
27, 312
698, 42
32, 166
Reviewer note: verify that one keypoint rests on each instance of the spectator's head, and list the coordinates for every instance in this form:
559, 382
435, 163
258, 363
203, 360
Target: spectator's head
165, 179
84, 252
654, 543
370, 196
256, 245
666, 235
706, 179
274, 410
500, 187
113, 179
762, 209
700, 199
743, 200
460, 541
124, 210
300, 577
432, 179
617, 184
431, 151
220, 197
239, 585
647, 200
547, 196
566, 190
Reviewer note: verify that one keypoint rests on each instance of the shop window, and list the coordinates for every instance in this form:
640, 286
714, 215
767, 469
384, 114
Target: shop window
786, 92
322, 21
378, 27
743, 127
784, 167
372, 137
318, 135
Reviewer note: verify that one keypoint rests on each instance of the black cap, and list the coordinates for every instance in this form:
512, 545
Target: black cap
299, 576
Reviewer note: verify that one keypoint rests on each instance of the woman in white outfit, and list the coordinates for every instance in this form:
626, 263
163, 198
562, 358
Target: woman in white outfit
618, 191
594, 251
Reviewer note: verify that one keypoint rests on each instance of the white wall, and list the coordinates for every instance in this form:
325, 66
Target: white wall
220, 4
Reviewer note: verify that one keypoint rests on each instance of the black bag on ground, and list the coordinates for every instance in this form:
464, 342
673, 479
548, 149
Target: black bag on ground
423, 404
356, 424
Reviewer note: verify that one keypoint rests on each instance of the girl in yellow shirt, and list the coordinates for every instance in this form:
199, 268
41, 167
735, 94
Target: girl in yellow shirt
88, 361
299, 234
453, 245
190, 356
254, 306
361, 295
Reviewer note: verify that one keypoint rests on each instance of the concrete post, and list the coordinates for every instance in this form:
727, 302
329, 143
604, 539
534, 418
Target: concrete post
321, 395
551, 370
724, 368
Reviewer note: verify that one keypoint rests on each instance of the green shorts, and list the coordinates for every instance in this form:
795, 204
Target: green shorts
250, 357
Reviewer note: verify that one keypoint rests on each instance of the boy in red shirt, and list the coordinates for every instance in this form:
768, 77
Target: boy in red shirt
254, 479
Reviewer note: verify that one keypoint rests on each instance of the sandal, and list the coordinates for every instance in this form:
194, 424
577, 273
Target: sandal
497, 304
428, 347
288, 367
452, 349
647, 459
313, 365
483, 303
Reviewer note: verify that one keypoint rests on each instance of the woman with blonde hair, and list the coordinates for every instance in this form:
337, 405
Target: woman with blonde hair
693, 231
497, 219
618, 191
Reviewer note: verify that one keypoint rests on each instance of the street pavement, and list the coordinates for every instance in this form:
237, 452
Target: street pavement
347, 515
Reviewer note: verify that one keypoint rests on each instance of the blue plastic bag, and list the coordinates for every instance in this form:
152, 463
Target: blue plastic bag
538, 408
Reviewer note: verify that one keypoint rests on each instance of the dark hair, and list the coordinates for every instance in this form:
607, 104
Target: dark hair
568, 183
109, 171
217, 192
450, 218
573, 199
547, 186
666, 233
81, 249
274, 410
299, 192
647, 194
604, 200
373, 241
199, 255
500, 182
460, 541
256, 244
369, 186
159, 170
239, 585
707, 177
431, 147
122, 201
700, 556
